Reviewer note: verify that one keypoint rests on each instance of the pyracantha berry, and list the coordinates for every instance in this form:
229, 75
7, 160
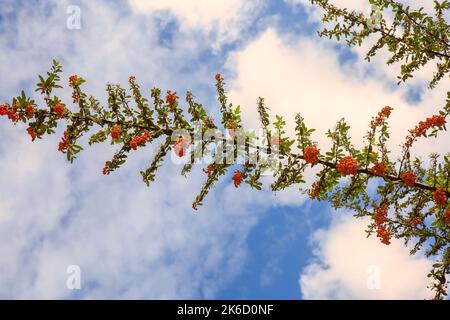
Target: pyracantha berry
237, 178
171, 99
59, 110
115, 132
73, 80
139, 140
380, 217
32, 133
29, 110
64, 144
384, 113
416, 221
347, 166
447, 216
315, 190
408, 178
311, 154
384, 235
440, 197
379, 169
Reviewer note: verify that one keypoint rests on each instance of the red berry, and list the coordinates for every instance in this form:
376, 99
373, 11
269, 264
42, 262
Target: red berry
440, 197
311, 154
237, 178
115, 132
416, 221
29, 110
379, 169
171, 98
347, 166
32, 133
408, 178
73, 80
59, 110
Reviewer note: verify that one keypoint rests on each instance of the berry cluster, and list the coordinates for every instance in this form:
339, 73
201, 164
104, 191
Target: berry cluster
75, 97
416, 221
315, 189
109, 165
379, 169
434, 121
59, 110
408, 178
29, 110
11, 113
33, 134
440, 197
115, 132
237, 178
73, 80
139, 140
171, 99
347, 166
64, 144
311, 154
384, 113
380, 217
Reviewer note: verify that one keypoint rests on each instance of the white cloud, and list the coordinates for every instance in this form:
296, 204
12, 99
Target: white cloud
347, 265
226, 18
306, 76
197, 12
130, 241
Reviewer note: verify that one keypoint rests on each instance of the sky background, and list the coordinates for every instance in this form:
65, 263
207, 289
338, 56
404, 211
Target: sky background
131, 241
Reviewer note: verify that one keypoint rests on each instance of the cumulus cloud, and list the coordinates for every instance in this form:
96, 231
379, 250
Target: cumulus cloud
129, 241
132, 242
225, 18
346, 265
306, 76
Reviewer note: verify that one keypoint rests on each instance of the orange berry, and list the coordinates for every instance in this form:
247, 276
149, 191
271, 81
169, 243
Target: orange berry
379, 169
440, 197
237, 178
408, 178
347, 166
115, 132
311, 154
59, 110
29, 110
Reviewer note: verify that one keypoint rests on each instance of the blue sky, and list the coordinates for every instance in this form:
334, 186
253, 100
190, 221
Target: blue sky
134, 242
